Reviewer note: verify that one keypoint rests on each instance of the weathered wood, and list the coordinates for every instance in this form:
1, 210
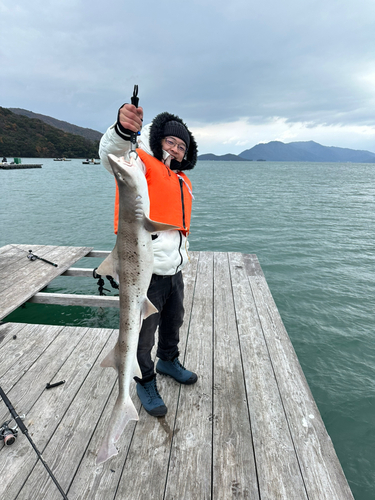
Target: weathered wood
29, 277
67, 299
98, 253
13, 257
45, 416
8, 331
325, 480
96, 483
151, 456
79, 271
249, 428
19, 354
277, 465
234, 473
69, 441
190, 466
25, 388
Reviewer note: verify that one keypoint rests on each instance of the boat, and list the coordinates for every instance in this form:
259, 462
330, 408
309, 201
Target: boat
91, 162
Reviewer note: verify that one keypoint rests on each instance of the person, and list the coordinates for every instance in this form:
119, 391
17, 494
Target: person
166, 149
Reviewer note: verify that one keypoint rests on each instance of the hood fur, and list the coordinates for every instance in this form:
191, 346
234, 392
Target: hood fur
157, 134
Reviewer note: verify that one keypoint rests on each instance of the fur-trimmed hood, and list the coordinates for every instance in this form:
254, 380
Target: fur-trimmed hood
157, 134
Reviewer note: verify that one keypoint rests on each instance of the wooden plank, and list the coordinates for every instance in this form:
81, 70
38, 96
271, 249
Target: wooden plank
189, 475
203, 447
21, 353
66, 299
252, 266
94, 482
12, 258
18, 258
278, 470
79, 271
7, 332
33, 276
98, 253
68, 443
234, 473
91, 481
155, 450
31, 383
322, 472
45, 417
101, 483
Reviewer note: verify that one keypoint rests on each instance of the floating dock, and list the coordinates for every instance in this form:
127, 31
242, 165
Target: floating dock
15, 166
248, 429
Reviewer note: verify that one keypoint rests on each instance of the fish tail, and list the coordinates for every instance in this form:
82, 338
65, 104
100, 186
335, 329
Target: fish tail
123, 411
107, 450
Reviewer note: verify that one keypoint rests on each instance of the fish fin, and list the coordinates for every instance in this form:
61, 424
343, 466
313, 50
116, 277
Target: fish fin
110, 360
155, 227
147, 309
122, 412
106, 452
110, 265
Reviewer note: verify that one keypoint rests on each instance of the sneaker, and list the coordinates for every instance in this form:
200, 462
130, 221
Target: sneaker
150, 398
175, 370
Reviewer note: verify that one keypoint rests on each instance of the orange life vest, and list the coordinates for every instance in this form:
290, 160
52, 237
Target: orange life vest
170, 194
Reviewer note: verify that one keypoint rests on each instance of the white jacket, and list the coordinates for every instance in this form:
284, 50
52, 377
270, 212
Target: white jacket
170, 247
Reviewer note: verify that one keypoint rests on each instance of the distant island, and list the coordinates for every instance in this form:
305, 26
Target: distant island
309, 151
32, 135
24, 135
227, 157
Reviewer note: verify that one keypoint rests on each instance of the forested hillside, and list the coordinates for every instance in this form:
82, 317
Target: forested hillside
31, 138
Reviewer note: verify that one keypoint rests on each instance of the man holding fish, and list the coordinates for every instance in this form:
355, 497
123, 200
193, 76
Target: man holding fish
166, 149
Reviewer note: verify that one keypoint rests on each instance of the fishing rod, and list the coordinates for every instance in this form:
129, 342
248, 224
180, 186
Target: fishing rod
33, 256
133, 135
25, 431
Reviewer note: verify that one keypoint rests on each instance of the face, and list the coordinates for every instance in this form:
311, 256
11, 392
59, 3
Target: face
175, 147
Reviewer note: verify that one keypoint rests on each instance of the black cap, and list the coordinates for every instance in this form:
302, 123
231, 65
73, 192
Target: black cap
177, 129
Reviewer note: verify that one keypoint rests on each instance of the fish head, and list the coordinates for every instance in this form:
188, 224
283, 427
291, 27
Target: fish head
127, 174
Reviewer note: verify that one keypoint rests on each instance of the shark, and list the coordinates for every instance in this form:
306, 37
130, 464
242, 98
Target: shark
131, 264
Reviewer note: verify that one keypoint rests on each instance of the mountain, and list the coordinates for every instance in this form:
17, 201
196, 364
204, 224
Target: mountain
33, 138
227, 157
87, 133
306, 151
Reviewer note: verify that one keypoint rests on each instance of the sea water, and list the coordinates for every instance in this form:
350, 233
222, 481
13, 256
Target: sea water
312, 227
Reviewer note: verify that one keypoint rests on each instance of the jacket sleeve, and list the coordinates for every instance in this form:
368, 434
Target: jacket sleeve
112, 143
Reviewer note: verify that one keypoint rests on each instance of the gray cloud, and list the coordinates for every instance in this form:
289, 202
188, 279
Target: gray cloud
209, 61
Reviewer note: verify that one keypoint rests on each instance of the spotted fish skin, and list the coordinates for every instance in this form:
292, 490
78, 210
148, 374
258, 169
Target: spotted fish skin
131, 264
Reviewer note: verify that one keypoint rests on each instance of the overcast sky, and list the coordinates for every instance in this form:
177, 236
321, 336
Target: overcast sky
238, 72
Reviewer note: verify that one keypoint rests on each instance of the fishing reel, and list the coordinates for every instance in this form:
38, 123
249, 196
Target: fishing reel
9, 434
31, 256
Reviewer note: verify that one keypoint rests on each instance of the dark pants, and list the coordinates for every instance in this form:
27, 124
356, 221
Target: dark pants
167, 295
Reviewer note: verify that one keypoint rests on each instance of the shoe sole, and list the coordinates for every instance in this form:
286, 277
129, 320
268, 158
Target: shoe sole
158, 412
188, 381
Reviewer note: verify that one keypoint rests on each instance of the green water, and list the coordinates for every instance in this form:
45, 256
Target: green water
312, 228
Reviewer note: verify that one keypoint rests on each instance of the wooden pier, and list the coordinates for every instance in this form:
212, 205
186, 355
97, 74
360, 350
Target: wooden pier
248, 429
